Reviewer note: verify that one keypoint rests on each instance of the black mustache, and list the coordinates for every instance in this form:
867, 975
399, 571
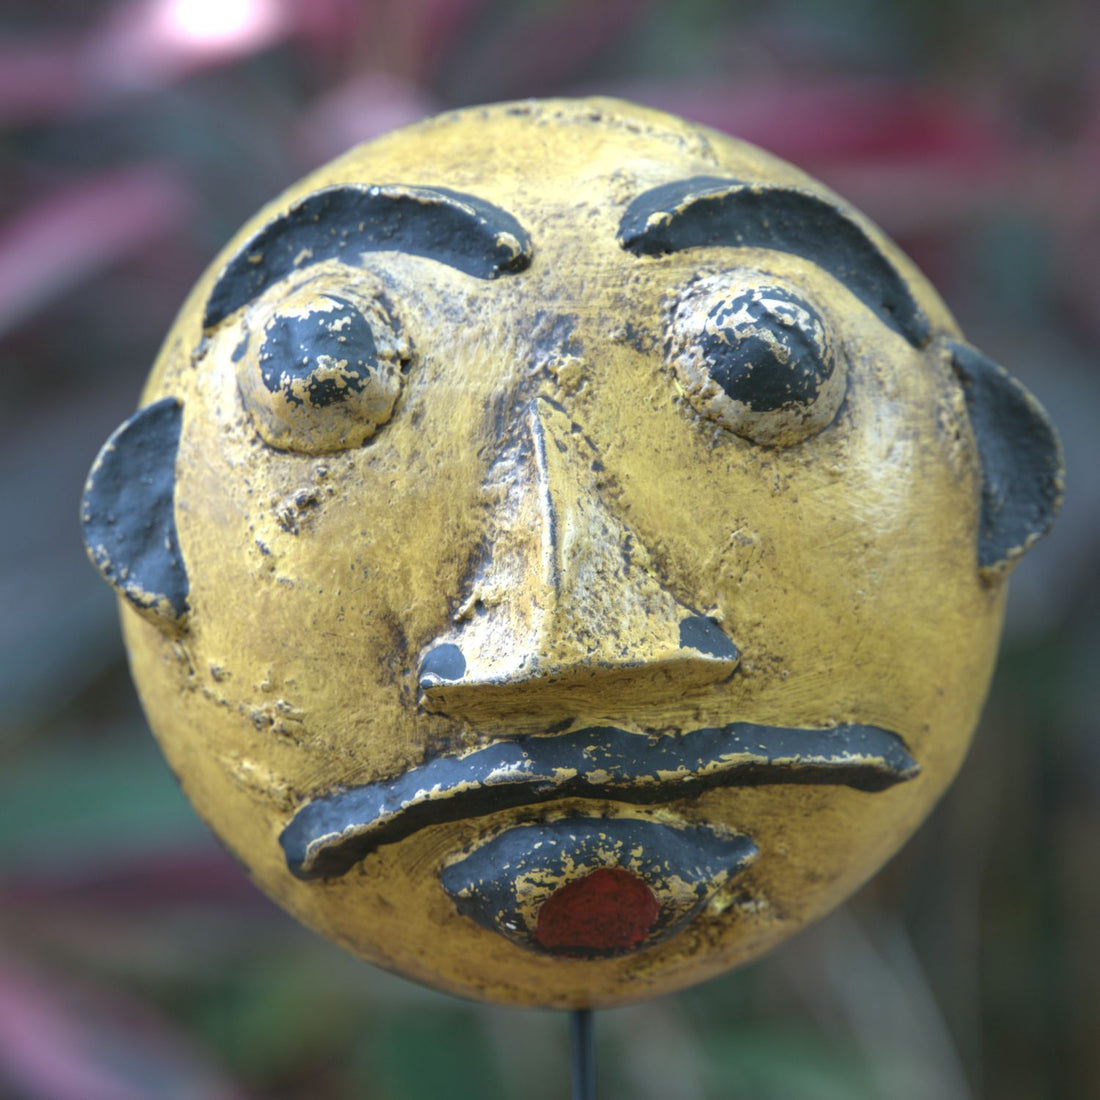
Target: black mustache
329, 835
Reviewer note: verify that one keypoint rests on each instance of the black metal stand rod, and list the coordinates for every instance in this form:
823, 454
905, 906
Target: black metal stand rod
584, 1055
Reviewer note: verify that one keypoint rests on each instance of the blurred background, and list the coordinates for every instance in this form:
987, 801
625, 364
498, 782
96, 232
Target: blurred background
136, 961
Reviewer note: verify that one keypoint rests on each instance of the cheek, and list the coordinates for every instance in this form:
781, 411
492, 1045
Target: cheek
844, 568
318, 580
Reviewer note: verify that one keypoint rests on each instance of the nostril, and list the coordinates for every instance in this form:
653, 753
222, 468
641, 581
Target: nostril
444, 664
704, 634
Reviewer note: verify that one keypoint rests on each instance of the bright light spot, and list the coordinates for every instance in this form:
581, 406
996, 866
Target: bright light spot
220, 24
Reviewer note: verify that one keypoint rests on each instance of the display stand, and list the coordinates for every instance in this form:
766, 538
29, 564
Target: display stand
584, 1054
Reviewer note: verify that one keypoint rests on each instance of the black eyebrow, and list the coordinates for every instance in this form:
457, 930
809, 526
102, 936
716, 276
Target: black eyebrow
459, 230
709, 212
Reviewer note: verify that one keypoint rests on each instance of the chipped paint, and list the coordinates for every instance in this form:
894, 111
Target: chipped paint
683, 458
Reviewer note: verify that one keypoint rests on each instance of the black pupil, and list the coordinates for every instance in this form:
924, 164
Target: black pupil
765, 349
336, 336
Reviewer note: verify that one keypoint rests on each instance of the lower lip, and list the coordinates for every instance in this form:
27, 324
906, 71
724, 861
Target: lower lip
594, 887
608, 912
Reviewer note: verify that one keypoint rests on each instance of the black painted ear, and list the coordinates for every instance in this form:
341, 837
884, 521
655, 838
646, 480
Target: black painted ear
128, 513
1021, 457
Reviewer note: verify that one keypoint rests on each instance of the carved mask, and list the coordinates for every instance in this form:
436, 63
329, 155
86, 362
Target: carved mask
562, 549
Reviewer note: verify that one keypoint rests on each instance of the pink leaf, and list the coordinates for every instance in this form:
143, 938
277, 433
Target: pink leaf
71, 234
138, 885
442, 24
38, 79
361, 109
534, 54
835, 119
60, 1041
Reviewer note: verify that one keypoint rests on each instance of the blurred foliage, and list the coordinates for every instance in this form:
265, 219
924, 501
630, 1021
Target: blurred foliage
135, 959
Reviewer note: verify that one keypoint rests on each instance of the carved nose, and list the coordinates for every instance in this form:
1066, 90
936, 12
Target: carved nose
566, 616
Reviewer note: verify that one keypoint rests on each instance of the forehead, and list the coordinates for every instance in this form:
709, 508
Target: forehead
568, 170
532, 153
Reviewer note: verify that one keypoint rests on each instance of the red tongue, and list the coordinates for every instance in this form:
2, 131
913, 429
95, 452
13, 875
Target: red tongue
607, 911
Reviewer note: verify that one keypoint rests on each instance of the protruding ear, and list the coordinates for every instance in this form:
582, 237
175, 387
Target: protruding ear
1021, 457
128, 513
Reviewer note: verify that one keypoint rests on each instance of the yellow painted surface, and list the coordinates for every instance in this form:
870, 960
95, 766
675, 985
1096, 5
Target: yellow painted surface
843, 565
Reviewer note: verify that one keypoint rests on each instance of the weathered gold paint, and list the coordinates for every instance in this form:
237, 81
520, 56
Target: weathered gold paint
843, 566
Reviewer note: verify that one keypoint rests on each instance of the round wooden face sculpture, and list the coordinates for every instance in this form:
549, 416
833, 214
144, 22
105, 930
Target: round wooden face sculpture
563, 549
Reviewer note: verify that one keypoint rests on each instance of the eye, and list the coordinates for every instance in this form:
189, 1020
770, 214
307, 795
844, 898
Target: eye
321, 364
754, 355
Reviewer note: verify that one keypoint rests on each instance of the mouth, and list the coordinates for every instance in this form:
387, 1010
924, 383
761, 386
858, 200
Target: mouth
594, 888
331, 834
